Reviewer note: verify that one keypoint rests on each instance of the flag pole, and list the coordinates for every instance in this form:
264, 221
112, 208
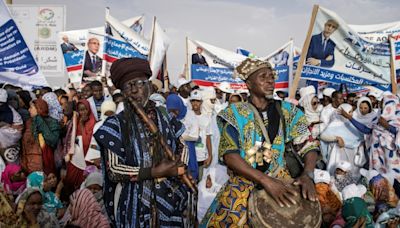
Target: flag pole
187, 70
393, 78
152, 47
293, 88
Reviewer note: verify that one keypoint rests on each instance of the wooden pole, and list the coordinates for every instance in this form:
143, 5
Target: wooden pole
393, 78
187, 68
165, 74
293, 88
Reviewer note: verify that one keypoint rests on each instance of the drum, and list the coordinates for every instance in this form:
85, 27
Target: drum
264, 212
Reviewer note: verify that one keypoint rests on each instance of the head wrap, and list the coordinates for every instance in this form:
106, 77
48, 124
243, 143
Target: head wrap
175, 102
249, 66
368, 119
6, 175
55, 109
353, 190
126, 69
86, 211
94, 178
35, 180
41, 107
321, 176
158, 99
107, 105
355, 208
328, 92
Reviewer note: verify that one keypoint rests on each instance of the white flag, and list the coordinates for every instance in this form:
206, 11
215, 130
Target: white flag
159, 46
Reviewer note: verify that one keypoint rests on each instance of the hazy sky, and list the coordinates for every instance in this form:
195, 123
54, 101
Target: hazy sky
259, 26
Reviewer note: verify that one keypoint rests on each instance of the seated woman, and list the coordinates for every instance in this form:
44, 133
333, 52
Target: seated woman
383, 143
344, 141
39, 180
13, 179
85, 212
29, 211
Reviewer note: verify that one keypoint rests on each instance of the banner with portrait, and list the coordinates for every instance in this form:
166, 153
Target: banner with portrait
338, 54
123, 41
282, 61
210, 65
17, 63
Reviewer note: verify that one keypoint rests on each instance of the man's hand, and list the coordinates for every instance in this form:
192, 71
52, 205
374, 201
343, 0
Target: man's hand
307, 187
345, 114
208, 161
166, 168
281, 193
384, 123
313, 61
340, 141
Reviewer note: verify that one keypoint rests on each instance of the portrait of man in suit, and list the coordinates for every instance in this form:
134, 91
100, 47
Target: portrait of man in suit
322, 48
198, 58
66, 46
93, 62
280, 59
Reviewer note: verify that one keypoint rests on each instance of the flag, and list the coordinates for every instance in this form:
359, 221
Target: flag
213, 65
17, 64
158, 48
121, 42
245, 52
338, 54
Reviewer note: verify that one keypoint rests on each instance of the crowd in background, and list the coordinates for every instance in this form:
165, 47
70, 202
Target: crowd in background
51, 174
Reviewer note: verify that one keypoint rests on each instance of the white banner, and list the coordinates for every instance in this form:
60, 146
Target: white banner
42, 24
210, 65
17, 64
132, 37
158, 48
116, 46
338, 54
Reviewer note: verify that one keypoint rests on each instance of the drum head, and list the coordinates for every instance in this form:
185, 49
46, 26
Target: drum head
264, 212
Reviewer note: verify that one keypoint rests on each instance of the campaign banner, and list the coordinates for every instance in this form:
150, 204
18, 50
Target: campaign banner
338, 54
158, 49
17, 64
282, 61
118, 42
42, 25
210, 65
73, 48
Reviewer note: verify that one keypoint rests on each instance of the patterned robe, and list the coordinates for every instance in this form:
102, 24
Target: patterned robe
239, 132
131, 203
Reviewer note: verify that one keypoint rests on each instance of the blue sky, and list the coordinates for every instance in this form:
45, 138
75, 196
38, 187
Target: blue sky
260, 26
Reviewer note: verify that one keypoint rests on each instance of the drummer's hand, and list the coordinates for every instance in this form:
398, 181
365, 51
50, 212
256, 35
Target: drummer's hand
307, 187
281, 193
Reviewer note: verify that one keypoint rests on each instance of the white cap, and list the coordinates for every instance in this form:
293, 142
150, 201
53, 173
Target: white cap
3, 95
157, 98
181, 82
195, 95
307, 90
328, 92
225, 87
376, 93
343, 165
352, 190
369, 174
208, 93
321, 176
116, 91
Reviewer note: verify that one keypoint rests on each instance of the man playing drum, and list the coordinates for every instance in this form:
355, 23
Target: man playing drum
254, 160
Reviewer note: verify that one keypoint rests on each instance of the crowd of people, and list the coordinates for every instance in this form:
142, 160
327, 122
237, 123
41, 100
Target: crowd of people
87, 158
